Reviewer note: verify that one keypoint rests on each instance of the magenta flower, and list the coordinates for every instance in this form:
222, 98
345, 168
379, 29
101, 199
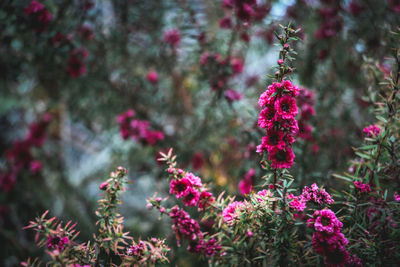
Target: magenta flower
286, 107
232, 95
172, 37
232, 210
7, 181
152, 76
396, 197
194, 180
191, 197
57, 242
372, 130
205, 199
265, 120
237, 65
38, 15
325, 221
76, 65
197, 160
35, 166
184, 226
297, 203
363, 188
281, 157
225, 23
179, 188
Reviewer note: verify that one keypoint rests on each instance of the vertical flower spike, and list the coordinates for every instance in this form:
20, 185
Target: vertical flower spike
279, 110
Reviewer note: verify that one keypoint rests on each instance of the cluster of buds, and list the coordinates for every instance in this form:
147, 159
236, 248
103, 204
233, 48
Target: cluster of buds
240, 14
138, 130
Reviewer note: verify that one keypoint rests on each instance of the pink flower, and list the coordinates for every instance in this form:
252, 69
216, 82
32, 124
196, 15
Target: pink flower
179, 188
197, 160
205, 199
103, 186
363, 188
225, 23
7, 181
191, 197
245, 186
273, 139
318, 196
372, 130
396, 197
296, 203
152, 137
76, 66
184, 226
286, 107
355, 8
152, 76
232, 95
231, 211
325, 221
172, 37
281, 157
38, 15
35, 166
194, 180
237, 65
265, 120
57, 242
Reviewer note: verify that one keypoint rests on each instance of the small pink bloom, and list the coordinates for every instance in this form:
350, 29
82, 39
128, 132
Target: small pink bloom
103, 186
172, 37
372, 130
35, 166
152, 76
233, 95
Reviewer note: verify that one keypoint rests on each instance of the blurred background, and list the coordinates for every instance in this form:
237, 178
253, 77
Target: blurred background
89, 85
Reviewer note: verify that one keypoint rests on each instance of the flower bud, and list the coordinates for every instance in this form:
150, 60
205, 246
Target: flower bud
149, 206
162, 209
280, 62
103, 186
159, 199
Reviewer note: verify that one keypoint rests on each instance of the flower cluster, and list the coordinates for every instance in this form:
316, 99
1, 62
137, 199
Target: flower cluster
328, 240
246, 184
362, 188
331, 22
76, 65
232, 211
305, 100
57, 242
38, 16
278, 117
372, 130
20, 156
137, 129
189, 187
187, 228
172, 37
220, 70
245, 12
314, 194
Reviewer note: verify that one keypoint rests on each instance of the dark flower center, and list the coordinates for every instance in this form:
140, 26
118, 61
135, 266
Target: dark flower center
181, 187
285, 106
281, 156
325, 221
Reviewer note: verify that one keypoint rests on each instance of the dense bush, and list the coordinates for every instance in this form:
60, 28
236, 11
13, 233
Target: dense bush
308, 176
